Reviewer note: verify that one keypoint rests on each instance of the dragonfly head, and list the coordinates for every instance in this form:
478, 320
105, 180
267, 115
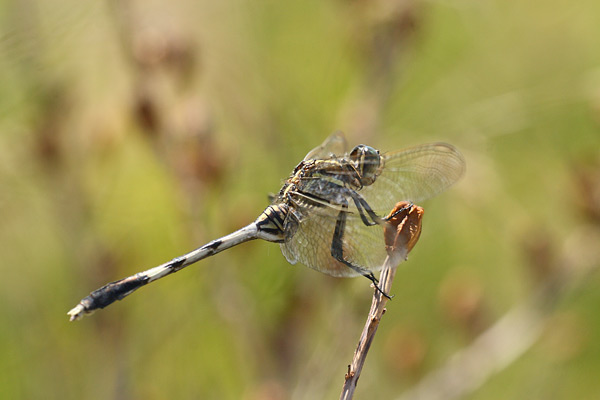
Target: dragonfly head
366, 161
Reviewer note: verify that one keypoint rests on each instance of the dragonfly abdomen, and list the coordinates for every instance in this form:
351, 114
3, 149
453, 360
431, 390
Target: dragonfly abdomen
271, 222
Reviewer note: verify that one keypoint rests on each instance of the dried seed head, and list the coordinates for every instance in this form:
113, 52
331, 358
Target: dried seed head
403, 229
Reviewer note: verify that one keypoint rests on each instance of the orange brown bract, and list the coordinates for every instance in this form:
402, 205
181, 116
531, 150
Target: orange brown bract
403, 229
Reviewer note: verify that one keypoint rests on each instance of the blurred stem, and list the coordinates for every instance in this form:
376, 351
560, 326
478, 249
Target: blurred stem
391, 29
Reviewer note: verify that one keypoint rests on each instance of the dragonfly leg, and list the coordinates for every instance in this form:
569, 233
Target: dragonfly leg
406, 207
363, 206
337, 252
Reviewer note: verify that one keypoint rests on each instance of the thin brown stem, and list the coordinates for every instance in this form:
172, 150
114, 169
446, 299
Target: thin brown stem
401, 234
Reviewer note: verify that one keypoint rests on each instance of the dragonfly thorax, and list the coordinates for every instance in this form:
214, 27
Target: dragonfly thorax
321, 178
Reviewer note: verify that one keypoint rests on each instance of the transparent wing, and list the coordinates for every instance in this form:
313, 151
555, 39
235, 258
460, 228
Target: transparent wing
334, 145
311, 244
414, 174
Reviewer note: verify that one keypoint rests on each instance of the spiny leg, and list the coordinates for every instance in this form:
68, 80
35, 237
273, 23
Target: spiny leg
363, 206
400, 210
337, 252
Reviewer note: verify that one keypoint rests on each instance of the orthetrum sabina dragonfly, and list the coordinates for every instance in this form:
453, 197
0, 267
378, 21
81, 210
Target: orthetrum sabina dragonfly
327, 215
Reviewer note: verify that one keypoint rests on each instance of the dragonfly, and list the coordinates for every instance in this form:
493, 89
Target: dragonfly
329, 214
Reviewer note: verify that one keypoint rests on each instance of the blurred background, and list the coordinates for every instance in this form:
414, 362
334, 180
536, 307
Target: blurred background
134, 131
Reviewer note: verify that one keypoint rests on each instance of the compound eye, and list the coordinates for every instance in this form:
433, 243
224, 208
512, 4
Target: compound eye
366, 160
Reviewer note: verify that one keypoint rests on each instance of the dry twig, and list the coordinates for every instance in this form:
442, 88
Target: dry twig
401, 234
